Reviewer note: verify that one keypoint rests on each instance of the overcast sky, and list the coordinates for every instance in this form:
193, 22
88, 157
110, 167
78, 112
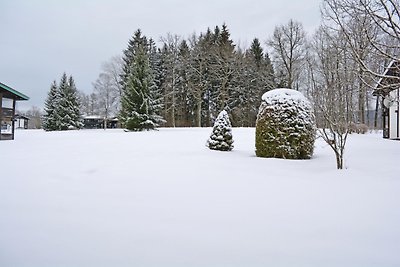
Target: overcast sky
41, 39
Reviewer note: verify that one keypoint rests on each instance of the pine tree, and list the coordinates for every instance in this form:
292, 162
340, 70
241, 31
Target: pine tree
138, 102
224, 71
257, 52
62, 110
221, 136
254, 77
49, 118
62, 106
158, 77
74, 106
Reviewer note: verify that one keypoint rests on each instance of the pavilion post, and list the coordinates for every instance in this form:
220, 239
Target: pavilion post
12, 119
1, 111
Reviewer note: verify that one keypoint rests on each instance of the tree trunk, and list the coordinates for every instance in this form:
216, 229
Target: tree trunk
198, 112
173, 110
339, 160
376, 113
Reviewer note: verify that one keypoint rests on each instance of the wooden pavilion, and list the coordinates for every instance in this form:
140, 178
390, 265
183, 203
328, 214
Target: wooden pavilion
8, 98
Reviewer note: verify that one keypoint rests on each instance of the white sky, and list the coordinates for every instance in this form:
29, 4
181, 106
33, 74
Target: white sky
41, 39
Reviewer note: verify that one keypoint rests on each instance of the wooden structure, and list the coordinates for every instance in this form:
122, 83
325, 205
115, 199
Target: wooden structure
21, 121
388, 88
8, 98
97, 122
93, 122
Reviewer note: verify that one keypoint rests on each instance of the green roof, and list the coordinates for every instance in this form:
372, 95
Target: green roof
13, 93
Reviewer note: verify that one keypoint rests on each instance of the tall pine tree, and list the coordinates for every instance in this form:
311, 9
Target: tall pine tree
73, 102
49, 118
138, 103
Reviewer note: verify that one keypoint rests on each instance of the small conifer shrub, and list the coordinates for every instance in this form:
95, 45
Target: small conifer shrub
221, 136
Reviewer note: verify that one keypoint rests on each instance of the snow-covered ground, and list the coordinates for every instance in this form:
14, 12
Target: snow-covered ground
161, 198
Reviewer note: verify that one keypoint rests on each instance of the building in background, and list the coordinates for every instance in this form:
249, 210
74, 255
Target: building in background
8, 98
388, 88
21, 121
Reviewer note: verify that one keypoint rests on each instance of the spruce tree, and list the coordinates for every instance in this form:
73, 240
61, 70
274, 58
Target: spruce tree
224, 71
74, 106
49, 118
62, 106
138, 102
158, 77
221, 136
63, 112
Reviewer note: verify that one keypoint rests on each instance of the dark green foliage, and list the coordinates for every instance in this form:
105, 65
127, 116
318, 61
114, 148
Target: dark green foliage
189, 81
285, 126
255, 77
73, 105
49, 117
221, 136
139, 122
62, 106
139, 90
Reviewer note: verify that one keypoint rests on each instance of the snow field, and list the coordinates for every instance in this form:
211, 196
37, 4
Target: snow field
162, 198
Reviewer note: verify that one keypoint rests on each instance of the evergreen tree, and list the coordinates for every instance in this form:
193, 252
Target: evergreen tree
49, 118
138, 103
74, 105
223, 71
221, 136
255, 77
62, 106
62, 111
257, 52
158, 77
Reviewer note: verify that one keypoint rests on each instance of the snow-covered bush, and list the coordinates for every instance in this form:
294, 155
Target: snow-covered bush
221, 136
285, 125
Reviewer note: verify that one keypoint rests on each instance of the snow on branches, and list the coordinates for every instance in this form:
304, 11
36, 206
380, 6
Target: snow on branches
221, 136
285, 125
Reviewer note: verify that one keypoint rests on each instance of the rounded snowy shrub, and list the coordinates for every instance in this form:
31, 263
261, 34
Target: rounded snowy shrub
285, 126
221, 136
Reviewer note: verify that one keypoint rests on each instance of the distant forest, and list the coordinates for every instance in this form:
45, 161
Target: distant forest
186, 82
191, 80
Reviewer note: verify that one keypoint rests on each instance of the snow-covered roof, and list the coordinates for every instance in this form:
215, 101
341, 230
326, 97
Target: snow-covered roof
10, 92
19, 116
390, 70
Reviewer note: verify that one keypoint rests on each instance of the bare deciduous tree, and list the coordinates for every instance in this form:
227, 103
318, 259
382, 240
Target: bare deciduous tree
382, 33
35, 117
107, 95
113, 69
288, 51
332, 81
171, 63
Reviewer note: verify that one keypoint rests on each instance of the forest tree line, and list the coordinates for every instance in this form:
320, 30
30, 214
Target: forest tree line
192, 80
189, 81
